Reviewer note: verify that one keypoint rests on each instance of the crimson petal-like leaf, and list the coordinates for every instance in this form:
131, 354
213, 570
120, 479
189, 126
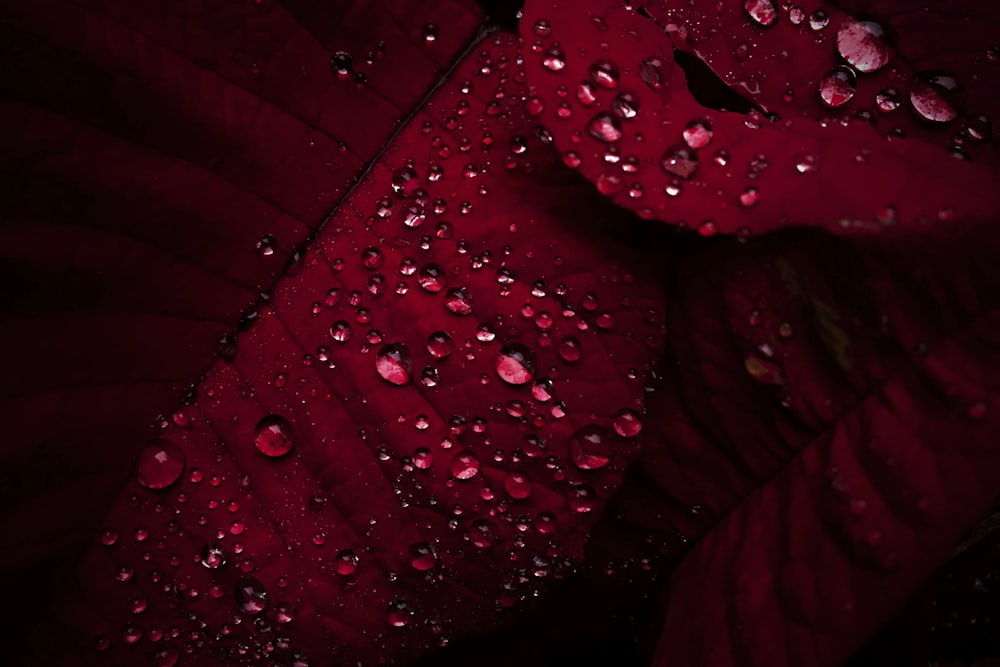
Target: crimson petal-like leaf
608, 90
353, 482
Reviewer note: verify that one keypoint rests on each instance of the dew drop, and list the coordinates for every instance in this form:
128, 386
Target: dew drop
423, 556
213, 556
273, 436
570, 349
680, 161
430, 32
862, 44
806, 163
372, 258
554, 58
465, 465
749, 197
590, 447
458, 301
979, 128
432, 278
266, 245
405, 182
627, 423
837, 87
929, 103
626, 105
605, 74
605, 127
342, 63
818, 20
517, 486
399, 613
160, 464
698, 133
761, 11
251, 595
393, 363
340, 331
483, 533
887, 100
582, 499
542, 28
515, 364
440, 344
346, 562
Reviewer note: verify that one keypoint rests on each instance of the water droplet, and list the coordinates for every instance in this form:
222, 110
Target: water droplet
266, 245
796, 15
542, 28
517, 486
554, 58
432, 278
605, 127
251, 595
929, 102
818, 20
273, 436
627, 423
393, 363
405, 181
160, 464
590, 447
465, 465
582, 499
483, 533
979, 128
570, 349
458, 301
862, 45
761, 11
340, 331
515, 364
625, 105
430, 32
346, 562
342, 63
887, 100
423, 556
372, 258
680, 161
749, 197
651, 71
837, 87
605, 74
399, 613
806, 163
213, 556
698, 133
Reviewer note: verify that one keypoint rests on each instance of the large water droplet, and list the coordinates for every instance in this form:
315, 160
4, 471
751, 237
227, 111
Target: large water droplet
837, 87
590, 447
393, 363
423, 556
273, 436
432, 278
517, 486
626, 105
159, 465
213, 556
515, 364
862, 45
627, 423
651, 71
399, 613
251, 595
929, 102
680, 161
465, 465
605, 127
761, 11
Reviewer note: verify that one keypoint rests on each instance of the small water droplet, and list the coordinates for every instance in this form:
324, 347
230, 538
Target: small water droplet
517, 486
465, 465
698, 133
273, 436
542, 28
515, 364
458, 301
887, 100
928, 101
590, 447
423, 556
806, 163
342, 63
626, 105
837, 87
749, 197
430, 32
251, 595
818, 20
605, 127
405, 181
159, 465
627, 423
570, 349
605, 74
582, 499
213, 556
399, 613
266, 245
680, 161
393, 363
432, 278
483, 533
554, 58
346, 562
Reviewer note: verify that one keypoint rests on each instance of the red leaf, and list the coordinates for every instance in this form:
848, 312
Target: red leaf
827, 436
618, 106
339, 480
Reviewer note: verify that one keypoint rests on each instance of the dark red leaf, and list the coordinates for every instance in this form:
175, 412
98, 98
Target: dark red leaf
346, 480
617, 105
826, 435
